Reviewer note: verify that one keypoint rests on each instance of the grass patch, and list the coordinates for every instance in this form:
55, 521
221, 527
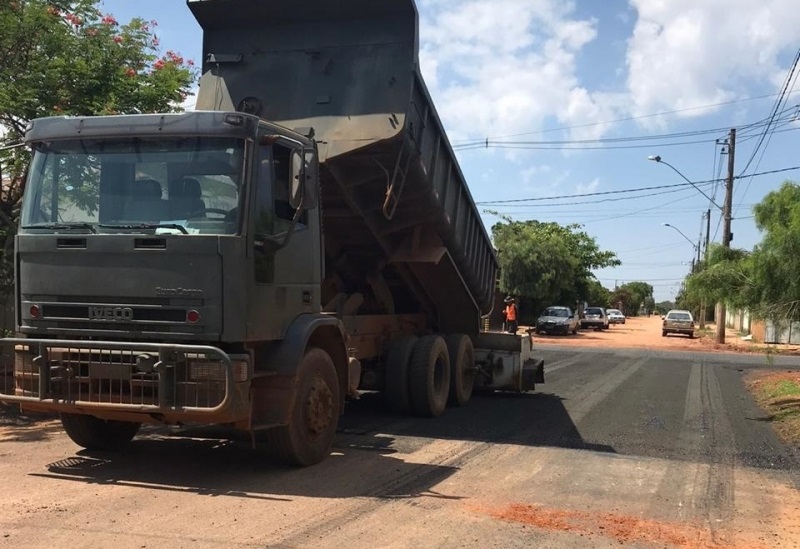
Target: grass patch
778, 394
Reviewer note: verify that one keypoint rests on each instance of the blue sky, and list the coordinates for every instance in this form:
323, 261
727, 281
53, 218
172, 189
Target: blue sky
616, 73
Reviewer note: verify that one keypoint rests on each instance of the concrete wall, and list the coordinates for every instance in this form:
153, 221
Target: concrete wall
763, 331
738, 320
758, 329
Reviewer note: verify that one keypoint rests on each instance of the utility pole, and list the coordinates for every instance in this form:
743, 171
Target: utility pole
727, 236
705, 257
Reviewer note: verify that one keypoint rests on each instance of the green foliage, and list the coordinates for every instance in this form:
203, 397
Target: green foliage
597, 294
662, 307
548, 263
764, 281
68, 58
631, 297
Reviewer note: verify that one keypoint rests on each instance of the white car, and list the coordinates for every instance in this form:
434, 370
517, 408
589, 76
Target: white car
615, 316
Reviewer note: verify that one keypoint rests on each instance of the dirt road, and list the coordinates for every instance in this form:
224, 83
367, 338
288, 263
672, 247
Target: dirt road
645, 333
625, 448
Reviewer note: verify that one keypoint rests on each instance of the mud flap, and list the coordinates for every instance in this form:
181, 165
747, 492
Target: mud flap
532, 373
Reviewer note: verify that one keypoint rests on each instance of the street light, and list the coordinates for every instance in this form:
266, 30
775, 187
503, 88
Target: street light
656, 158
689, 240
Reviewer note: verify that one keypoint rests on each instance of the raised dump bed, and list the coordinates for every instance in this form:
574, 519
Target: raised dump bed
393, 193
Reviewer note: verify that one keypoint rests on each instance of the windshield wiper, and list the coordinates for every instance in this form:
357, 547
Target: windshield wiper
62, 226
133, 226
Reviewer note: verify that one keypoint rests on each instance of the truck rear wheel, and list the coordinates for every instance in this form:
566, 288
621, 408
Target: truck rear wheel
315, 414
94, 433
398, 398
462, 362
429, 376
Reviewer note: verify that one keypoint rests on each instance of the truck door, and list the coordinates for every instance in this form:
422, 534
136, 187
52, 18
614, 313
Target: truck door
286, 270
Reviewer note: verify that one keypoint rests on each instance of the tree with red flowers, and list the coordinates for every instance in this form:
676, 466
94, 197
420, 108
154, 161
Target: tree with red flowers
66, 57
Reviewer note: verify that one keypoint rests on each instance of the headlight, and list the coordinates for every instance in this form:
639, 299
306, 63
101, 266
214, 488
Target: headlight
214, 370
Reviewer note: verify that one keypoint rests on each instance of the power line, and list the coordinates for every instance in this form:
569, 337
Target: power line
582, 144
623, 191
775, 110
601, 193
631, 118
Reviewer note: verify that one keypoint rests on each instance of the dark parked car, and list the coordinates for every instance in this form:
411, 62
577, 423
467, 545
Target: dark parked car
557, 320
595, 317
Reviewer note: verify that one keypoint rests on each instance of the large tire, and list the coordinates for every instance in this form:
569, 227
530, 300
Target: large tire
314, 416
98, 434
398, 358
462, 364
429, 376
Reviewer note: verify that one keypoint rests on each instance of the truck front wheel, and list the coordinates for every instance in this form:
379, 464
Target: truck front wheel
462, 364
429, 376
314, 416
98, 434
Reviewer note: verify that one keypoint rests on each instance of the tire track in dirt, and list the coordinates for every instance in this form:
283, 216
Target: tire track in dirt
453, 455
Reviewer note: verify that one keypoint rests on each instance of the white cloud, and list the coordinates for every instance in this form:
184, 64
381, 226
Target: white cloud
685, 53
503, 67
508, 67
590, 187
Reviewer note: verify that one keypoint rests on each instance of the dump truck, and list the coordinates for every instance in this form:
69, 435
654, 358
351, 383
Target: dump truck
305, 234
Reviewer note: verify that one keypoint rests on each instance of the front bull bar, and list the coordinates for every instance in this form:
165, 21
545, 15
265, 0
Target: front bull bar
163, 381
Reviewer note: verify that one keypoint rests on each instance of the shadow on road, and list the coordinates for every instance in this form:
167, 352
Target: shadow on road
531, 419
366, 460
197, 462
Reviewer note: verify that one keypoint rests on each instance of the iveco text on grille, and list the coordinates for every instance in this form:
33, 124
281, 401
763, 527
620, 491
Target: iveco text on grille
110, 313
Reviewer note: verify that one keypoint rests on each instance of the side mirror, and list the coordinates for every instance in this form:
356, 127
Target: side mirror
303, 191
296, 180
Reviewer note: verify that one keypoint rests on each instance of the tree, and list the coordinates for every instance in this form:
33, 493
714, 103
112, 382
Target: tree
65, 57
597, 294
632, 296
764, 281
548, 263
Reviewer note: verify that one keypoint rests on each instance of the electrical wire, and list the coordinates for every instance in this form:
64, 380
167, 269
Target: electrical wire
600, 193
632, 118
788, 83
678, 186
591, 144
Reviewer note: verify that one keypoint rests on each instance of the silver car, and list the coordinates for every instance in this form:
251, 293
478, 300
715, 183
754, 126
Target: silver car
678, 322
615, 316
557, 320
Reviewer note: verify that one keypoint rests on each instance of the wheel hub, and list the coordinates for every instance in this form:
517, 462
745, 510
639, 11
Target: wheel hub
319, 407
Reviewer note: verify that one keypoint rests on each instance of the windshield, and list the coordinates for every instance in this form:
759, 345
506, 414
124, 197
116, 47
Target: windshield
679, 316
181, 185
614, 312
591, 311
563, 313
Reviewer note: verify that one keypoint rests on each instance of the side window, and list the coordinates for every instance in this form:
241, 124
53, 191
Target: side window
263, 220
273, 211
284, 212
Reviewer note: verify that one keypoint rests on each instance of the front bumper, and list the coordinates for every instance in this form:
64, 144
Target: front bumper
593, 324
553, 328
147, 382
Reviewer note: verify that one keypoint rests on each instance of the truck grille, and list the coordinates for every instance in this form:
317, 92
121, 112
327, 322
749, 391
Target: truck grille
119, 375
105, 315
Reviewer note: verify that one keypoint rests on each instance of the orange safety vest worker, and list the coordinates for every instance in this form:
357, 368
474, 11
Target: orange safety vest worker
511, 312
